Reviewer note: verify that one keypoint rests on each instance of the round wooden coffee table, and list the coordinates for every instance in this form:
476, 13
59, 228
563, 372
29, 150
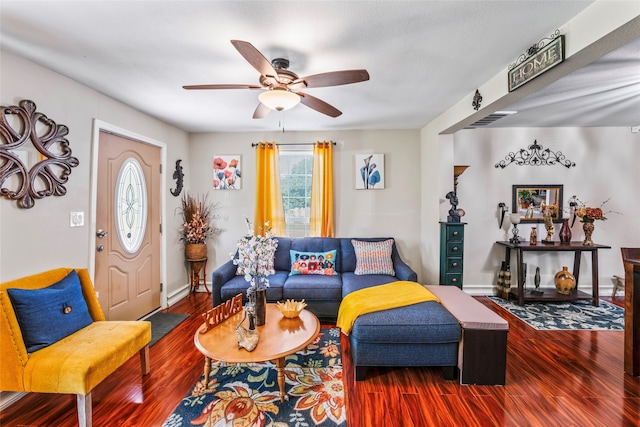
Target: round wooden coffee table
279, 337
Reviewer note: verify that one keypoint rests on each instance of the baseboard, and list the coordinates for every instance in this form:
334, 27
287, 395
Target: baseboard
483, 290
178, 295
8, 398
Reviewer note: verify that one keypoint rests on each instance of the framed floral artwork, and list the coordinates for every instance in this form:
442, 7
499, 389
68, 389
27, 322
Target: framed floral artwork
227, 172
369, 171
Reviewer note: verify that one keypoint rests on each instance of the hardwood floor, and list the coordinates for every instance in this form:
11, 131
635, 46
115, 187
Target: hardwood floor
564, 378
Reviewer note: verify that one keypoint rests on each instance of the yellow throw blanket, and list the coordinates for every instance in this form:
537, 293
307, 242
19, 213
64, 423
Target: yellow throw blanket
377, 298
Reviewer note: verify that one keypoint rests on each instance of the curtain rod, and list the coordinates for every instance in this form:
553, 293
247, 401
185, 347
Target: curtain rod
255, 144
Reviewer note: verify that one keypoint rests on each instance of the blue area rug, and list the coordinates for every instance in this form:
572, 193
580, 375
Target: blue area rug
248, 394
575, 315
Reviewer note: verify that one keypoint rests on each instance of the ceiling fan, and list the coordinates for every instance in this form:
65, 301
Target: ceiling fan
281, 85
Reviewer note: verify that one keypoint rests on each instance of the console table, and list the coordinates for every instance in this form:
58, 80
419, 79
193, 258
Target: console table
631, 261
551, 294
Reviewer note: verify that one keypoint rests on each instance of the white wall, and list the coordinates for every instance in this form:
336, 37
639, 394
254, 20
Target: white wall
38, 239
393, 211
607, 162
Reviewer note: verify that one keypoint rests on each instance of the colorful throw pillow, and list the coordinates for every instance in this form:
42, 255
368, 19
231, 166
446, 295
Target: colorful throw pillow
49, 314
373, 257
321, 263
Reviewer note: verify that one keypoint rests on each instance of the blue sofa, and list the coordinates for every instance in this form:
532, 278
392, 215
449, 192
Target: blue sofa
322, 294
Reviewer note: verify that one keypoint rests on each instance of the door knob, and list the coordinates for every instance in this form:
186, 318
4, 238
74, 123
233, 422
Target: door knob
102, 233
100, 248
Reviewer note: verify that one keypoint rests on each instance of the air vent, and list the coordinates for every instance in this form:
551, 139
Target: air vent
491, 118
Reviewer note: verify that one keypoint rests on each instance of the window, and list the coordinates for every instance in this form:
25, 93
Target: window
295, 179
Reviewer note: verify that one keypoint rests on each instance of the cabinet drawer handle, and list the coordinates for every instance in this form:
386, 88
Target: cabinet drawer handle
455, 264
455, 233
454, 280
454, 249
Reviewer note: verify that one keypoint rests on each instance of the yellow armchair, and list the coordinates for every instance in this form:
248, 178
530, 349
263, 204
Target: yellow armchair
75, 364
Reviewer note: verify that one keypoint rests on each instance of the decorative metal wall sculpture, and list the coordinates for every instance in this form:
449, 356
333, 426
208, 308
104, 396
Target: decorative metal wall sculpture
477, 100
535, 156
178, 176
47, 177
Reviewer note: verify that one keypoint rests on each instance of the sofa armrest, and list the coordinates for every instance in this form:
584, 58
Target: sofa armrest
403, 271
219, 277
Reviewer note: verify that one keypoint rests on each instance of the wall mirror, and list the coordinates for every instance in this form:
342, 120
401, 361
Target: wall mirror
529, 199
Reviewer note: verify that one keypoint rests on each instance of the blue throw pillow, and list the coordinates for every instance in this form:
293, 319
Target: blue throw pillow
49, 314
321, 263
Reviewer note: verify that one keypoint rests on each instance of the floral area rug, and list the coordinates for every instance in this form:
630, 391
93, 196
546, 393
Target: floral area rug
248, 394
574, 315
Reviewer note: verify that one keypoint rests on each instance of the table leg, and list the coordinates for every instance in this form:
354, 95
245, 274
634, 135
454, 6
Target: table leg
207, 371
594, 277
205, 276
577, 256
520, 281
280, 367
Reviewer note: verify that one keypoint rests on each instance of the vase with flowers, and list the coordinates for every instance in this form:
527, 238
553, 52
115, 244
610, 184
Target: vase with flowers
255, 260
197, 217
588, 215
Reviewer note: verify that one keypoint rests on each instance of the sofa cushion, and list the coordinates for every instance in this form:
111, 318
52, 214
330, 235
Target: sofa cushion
352, 282
238, 285
312, 287
282, 261
61, 304
373, 257
320, 263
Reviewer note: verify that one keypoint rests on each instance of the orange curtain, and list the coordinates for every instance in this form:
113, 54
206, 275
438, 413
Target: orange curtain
321, 218
269, 206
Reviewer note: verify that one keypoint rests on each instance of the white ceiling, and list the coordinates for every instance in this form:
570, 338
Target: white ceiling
422, 56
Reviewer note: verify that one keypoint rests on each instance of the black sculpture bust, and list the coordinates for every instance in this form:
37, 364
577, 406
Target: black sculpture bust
454, 215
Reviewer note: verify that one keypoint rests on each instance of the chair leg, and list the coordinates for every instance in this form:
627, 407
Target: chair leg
84, 410
144, 360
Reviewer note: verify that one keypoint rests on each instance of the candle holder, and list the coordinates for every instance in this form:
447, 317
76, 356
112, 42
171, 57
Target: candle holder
515, 220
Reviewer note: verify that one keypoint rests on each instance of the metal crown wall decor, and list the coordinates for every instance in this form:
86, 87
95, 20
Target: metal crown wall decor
536, 156
47, 177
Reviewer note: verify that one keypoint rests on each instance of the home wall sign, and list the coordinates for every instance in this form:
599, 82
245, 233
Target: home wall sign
535, 156
536, 60
22, 123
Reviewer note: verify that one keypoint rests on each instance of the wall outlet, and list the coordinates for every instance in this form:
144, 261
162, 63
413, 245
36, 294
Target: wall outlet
76, 219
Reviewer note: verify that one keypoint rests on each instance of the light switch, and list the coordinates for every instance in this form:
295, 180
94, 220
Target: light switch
76, 219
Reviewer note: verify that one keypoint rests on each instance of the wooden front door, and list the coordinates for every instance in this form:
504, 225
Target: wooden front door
127, 259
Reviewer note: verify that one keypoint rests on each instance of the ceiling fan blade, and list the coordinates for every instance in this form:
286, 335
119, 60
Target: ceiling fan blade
332, 78
319, 105
261, 111
222, 86
255, 58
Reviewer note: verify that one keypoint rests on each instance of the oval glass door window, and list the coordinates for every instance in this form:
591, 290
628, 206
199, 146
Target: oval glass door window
131, 205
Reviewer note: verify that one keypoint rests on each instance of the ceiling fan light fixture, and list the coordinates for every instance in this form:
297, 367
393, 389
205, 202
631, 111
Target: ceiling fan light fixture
279, 99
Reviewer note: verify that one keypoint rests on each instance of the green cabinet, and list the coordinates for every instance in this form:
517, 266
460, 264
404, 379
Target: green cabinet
451, 253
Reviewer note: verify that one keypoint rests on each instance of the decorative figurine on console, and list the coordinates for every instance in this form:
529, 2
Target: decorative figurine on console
536, 282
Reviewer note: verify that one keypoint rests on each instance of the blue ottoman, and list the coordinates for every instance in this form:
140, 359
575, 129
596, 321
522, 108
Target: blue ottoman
423, 334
